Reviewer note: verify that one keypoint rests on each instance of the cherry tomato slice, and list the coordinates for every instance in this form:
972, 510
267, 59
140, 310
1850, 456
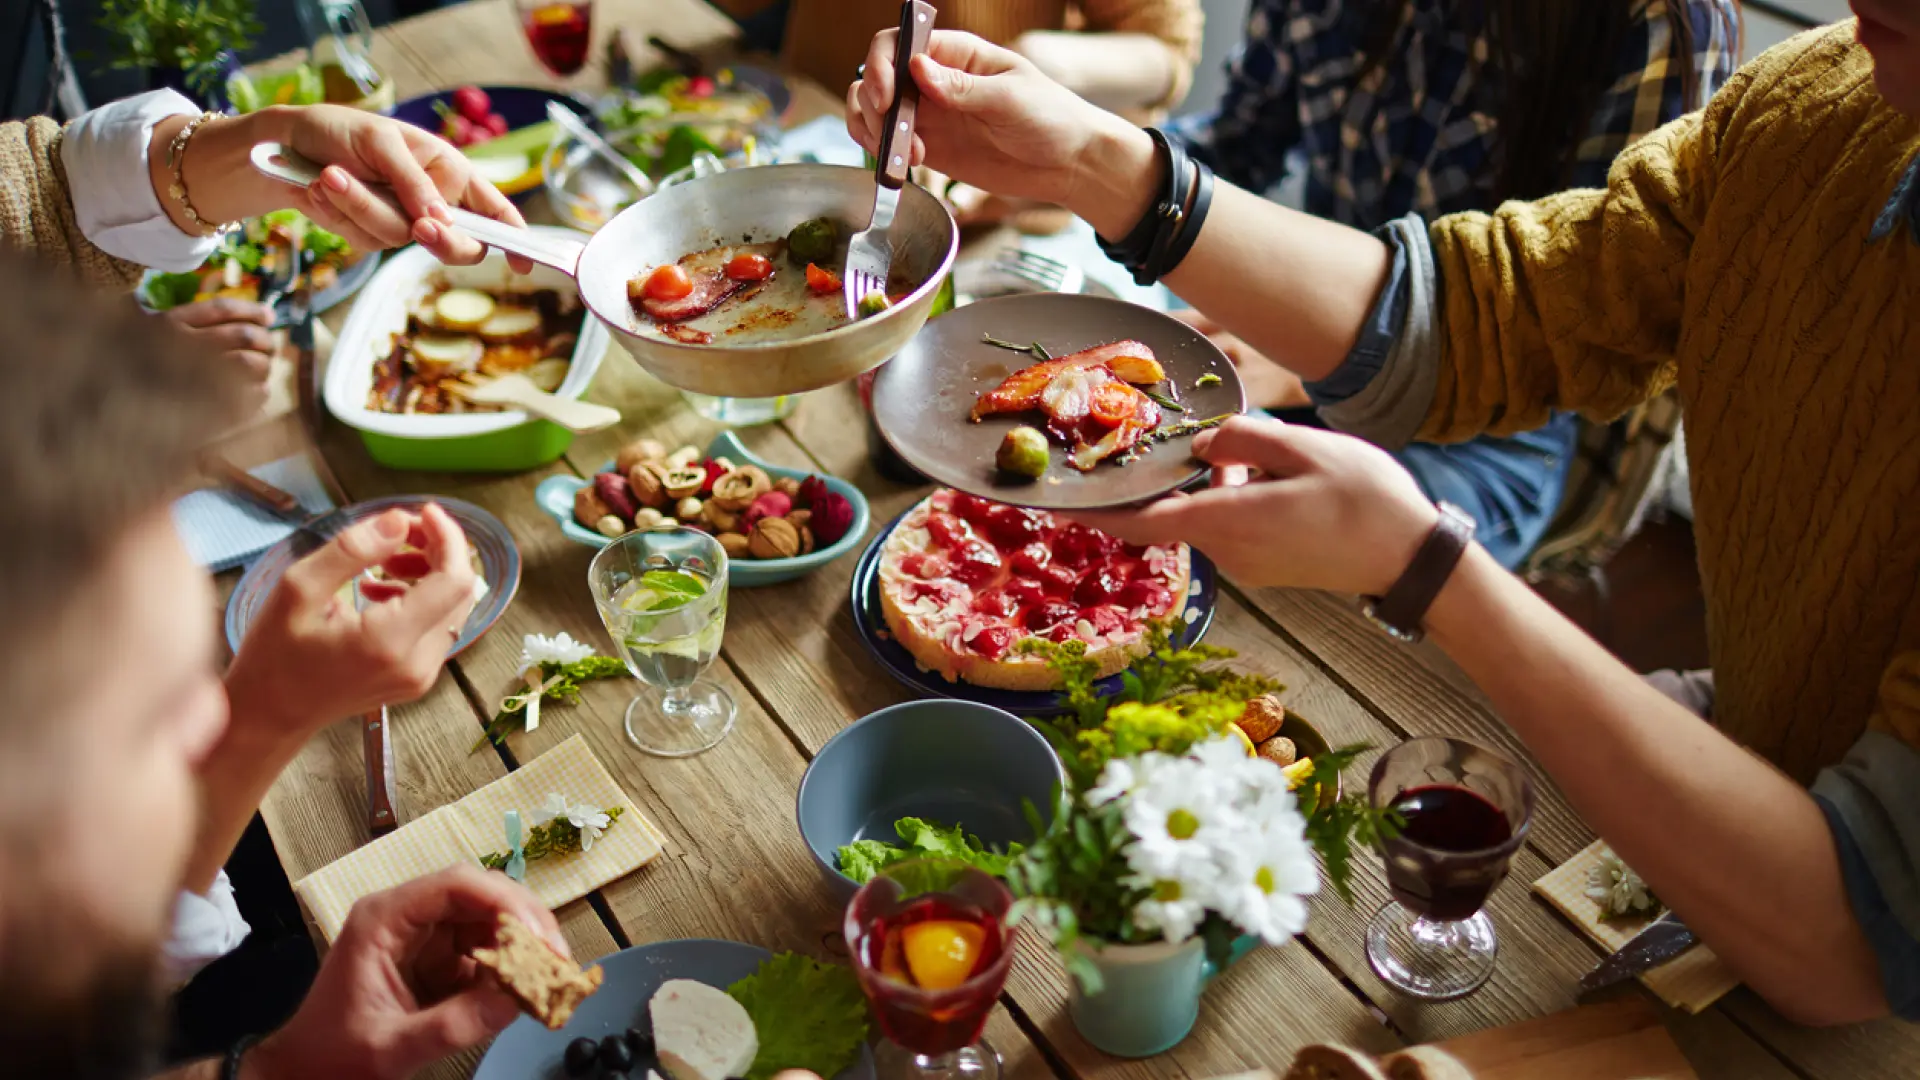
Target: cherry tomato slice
748, 266
1112, 403
822, 281
668, 282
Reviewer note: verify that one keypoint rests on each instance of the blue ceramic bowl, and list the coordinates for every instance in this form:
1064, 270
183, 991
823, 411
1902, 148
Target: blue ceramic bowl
555, 496
521, 106
950, 762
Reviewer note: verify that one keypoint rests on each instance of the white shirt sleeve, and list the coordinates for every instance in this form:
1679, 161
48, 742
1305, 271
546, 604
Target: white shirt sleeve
105, 153
205, 928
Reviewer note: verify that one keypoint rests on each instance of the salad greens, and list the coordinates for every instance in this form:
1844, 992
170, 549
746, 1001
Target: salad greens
863, 859
808, 1015
172, 290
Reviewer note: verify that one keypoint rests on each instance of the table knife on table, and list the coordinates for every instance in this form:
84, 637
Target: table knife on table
1662, 940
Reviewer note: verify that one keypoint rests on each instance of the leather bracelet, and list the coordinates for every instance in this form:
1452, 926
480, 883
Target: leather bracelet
1136, 249
230, 1067
1172, 224
1403, 609
1195, 217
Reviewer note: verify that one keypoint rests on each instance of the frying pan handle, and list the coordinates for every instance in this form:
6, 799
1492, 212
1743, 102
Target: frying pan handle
896, 142
288, 165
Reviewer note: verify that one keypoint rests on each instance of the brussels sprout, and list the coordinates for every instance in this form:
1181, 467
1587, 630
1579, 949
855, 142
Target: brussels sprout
1023, 452
874, 303
813, 241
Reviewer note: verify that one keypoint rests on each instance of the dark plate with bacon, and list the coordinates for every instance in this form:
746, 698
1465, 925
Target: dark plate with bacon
1119, 389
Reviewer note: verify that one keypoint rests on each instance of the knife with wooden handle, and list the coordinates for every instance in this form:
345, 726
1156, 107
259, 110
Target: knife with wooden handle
381, 817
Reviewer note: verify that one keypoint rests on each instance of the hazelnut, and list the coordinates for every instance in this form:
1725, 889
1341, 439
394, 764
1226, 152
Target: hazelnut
638, 452
737, 489
722, 519
589, 507
687, 509
737, 546
1263, 717
787, 486
1279, 750
610, 526
649, 518
649, 483
774, 538
800, 518
685, 482
682, 458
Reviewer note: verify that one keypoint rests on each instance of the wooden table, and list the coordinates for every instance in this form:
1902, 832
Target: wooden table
735, 866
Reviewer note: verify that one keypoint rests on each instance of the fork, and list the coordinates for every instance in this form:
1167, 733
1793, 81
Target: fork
870, 253
1034, 268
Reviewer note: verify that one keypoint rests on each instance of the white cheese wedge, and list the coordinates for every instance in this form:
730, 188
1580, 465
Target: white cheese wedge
700, 1033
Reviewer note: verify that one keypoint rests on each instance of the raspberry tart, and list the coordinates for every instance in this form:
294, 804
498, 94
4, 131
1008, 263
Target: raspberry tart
964, 580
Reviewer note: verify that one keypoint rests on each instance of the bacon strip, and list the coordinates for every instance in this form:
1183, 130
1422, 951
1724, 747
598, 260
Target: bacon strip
710, 287
1020, 391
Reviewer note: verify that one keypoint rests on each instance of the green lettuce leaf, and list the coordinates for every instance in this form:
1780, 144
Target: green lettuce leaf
923, 839
172, 290
808, 1015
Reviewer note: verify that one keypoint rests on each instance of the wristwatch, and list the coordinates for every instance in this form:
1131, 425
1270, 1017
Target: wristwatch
1404, 608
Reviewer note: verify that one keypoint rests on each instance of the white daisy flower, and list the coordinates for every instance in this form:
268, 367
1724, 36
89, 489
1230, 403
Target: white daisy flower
1265, 881
1117, 779
590, 820
1171, 910
537, 649
555, 806
1177, 815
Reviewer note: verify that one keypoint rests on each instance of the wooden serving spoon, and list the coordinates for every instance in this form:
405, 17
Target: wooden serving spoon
519, 392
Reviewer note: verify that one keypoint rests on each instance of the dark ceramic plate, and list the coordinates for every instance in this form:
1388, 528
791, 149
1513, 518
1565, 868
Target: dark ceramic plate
922, 397
499, 564
898, 662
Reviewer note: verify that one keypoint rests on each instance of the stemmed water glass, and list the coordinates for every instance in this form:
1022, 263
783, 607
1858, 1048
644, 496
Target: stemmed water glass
932, 947
663, 597
1465, 811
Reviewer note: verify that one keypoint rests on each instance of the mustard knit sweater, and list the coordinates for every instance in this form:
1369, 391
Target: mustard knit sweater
1730, 256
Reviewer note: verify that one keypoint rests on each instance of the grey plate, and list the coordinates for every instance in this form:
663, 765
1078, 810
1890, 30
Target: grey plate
528, 1051
922, 397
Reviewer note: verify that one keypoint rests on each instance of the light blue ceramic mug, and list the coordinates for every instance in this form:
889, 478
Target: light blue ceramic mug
1150, 994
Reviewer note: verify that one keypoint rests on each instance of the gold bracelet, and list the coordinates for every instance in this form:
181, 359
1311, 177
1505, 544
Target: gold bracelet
176, 162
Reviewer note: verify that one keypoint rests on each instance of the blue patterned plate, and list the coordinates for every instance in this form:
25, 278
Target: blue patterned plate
499, 565
899, 663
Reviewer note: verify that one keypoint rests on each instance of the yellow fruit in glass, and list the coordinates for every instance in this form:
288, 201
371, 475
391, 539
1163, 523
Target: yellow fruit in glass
940, 954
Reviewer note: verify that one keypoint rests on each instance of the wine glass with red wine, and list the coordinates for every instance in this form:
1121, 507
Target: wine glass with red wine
932, 948
1465, 811
558, 30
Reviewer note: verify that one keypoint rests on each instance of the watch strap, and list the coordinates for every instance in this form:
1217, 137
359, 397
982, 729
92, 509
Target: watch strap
1403, 609
230, 1065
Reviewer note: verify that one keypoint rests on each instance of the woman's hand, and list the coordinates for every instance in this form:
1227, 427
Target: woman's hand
399, 991
987, 117
236, 329
1328, 511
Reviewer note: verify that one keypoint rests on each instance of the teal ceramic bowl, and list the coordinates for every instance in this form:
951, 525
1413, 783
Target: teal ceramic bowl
555, 496
945, 761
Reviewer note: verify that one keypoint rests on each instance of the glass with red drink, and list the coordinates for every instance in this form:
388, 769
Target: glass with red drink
932, 946
559, 31
1464, 811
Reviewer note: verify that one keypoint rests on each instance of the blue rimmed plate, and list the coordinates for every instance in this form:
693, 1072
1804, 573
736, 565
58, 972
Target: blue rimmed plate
555, 496
521, 106
899, 663
499, 565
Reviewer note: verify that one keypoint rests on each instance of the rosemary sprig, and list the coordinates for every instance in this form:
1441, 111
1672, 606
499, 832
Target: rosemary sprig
507, 721
556, 837
1185, 427
1164, 401
1031, 348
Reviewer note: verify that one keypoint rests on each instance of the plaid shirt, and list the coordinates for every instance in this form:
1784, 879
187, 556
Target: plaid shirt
1418, 134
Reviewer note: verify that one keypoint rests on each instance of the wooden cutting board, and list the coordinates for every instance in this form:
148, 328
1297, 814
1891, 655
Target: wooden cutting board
1618, 1040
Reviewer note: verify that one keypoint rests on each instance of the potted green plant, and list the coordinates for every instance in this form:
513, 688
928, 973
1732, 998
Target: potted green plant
1174, 851
181, 44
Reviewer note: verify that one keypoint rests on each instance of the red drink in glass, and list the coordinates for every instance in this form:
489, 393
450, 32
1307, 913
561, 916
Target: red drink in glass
932, 948
559, 32
1444, 817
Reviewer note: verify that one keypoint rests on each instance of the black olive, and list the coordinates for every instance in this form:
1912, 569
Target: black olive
614, 1055
581, 1054
640, 1043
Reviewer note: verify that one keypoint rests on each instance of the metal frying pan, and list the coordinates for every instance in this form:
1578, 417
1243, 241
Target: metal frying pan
737, 207
921, 399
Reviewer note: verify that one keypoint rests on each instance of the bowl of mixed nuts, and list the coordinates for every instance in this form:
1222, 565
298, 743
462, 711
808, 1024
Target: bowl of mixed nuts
775, 523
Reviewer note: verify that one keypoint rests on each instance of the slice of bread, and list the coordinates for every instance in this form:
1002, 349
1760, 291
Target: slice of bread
700, 1032
1333, 1063
547, 985
1424, 1063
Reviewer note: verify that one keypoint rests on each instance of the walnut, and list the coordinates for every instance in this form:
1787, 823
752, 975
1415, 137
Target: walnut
726, 464
589, 507
682, 458
800, 518
638, 452
649, 518
685, 482
737, 546
1263, 717
787, 486
649, 482
722, 519
687, 509
737, 489
774, 538
1279, 750
610, 526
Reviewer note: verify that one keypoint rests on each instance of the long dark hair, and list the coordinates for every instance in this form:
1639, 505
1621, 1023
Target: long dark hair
1554, 59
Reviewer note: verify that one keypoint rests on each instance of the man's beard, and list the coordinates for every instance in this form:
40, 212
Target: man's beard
106, 1029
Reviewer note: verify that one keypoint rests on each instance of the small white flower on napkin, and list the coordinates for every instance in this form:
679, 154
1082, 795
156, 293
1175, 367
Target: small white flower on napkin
537, 649
590, 820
